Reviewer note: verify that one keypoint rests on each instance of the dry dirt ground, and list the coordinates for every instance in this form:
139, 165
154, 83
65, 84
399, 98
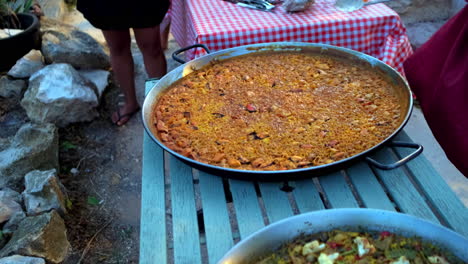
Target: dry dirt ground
105, 192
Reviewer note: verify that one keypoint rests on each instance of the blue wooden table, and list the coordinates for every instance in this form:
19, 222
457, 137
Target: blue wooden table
229, 210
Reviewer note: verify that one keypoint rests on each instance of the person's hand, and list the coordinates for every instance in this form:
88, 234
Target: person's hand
36, 10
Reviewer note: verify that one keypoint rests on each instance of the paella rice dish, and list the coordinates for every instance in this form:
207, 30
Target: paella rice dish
279, 111
340, 247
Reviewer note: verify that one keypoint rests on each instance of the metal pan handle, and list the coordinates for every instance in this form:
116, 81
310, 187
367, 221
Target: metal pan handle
177, 52
403, 161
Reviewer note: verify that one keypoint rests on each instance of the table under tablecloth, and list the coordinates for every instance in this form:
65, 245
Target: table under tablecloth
375, 30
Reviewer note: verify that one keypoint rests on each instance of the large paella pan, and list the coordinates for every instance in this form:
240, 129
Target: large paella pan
278, 108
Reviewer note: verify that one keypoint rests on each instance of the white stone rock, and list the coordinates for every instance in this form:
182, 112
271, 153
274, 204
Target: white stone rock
10, 227
74, 171
17, 259
43, 192
7, 193
26, 66
63, 43
7, 209
10, 209
3, 34
12, 89
56, 9
100, 78
43, 236
35, 146
59, 94
76, 18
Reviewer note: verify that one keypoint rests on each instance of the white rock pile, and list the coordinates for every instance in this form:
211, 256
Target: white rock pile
56, 86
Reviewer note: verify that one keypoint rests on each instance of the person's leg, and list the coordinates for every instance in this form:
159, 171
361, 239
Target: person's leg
149, 42
164, 29
122, 65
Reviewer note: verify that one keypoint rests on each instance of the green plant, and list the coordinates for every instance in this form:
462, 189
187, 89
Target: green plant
9, 9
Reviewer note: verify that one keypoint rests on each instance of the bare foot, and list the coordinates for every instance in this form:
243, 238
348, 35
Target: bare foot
123, 115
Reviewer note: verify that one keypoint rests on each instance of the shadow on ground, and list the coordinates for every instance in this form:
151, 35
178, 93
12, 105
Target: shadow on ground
101, 168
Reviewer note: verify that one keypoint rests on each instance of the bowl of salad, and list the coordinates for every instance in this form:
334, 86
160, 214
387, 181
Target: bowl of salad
361, 236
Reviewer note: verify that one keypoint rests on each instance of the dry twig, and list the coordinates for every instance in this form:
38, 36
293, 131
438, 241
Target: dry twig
81, 160
85, 251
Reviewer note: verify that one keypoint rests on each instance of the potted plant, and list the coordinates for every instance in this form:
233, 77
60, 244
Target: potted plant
14, 15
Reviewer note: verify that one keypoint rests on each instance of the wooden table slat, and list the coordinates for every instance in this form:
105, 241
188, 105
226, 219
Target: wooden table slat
441, 196
368, 188
337, 190
152, 240
402, 189
248, 214
307, 196
216, 217
184, 213
276, 201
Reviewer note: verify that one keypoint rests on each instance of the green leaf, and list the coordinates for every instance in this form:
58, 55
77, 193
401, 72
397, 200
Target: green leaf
28, 5
66, 145
3, 7
398, 252
1, 234
19, 6
93, 201
349, 252
68, 204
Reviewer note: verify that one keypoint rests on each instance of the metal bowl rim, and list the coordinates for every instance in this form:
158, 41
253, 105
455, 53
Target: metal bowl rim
366, 212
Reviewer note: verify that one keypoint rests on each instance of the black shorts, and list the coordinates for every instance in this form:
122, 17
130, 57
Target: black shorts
123, 14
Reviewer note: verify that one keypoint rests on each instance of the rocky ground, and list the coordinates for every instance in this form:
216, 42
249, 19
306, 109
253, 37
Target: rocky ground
100, 166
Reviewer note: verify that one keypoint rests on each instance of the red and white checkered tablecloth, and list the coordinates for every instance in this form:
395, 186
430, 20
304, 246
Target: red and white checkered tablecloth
375, 29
